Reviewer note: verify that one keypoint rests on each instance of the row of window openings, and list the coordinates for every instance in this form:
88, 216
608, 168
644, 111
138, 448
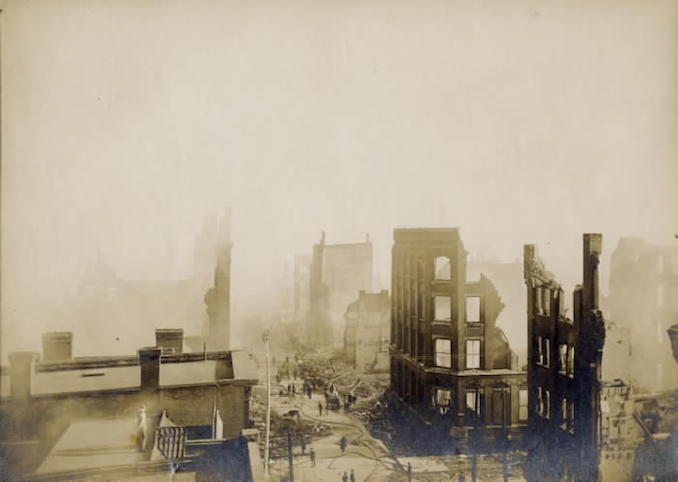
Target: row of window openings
442, 267
565, 356
442, 401
442, 308
566, 409
443, 353
542, 301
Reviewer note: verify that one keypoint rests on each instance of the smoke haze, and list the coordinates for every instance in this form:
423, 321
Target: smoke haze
126, 124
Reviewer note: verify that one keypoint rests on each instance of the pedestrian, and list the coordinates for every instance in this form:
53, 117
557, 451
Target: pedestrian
289, 388
312, 455
294, 389
142, 429
343, 443
344, 478
320, 409
352, 476
303, 445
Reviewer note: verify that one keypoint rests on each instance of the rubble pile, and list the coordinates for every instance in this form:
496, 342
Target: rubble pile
279, 423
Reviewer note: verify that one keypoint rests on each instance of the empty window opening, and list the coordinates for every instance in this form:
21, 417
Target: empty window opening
472, 354
547, 352
570, 362
473, 401
443, 268
442, 400
562, 359
443, 353
443, 308
546, 301
473, 309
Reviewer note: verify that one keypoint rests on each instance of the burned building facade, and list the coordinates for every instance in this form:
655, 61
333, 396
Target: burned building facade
338, 273
564, 370
368, 332
450, 365
644, 301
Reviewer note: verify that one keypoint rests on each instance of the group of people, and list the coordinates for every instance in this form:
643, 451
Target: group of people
348, 478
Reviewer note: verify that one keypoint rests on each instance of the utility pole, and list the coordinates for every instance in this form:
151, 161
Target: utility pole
290, 454
266, 337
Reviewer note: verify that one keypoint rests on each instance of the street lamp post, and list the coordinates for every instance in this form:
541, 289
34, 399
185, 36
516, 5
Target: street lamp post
266, 338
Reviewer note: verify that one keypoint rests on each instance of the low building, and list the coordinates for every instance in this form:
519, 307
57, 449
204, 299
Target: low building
368, 332
207, 394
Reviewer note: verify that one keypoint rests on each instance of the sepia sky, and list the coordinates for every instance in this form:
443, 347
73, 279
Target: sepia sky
124, 123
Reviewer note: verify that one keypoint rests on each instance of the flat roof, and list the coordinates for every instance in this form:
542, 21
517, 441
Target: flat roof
93, 444
124, 373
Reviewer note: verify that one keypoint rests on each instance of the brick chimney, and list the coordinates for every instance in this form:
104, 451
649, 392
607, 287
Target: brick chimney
149, 363
22, 367
170, 340
57, 345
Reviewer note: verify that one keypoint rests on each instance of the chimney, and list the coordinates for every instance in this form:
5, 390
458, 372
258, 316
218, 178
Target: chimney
322, 238
170, 340
21, 364
57, 346
149, 362
593, 246
673, 334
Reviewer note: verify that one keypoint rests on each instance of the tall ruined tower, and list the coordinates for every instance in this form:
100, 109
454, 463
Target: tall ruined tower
319, 328
218, 298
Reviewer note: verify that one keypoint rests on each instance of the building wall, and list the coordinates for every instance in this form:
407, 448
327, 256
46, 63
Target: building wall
421, 323
367, 336
621, 434
338, 273
644, 300
564, 370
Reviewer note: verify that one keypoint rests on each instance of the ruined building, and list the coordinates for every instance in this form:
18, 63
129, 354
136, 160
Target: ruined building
644, 301
337, 274
368, 332
451, 366
218, 298
564, 370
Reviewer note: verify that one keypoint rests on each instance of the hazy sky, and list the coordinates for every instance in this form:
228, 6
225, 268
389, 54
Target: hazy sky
125, 122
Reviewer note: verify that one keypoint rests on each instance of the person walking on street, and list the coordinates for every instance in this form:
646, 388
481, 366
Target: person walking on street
352, 476
343, 443
312, 455
320, 409
344, 478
